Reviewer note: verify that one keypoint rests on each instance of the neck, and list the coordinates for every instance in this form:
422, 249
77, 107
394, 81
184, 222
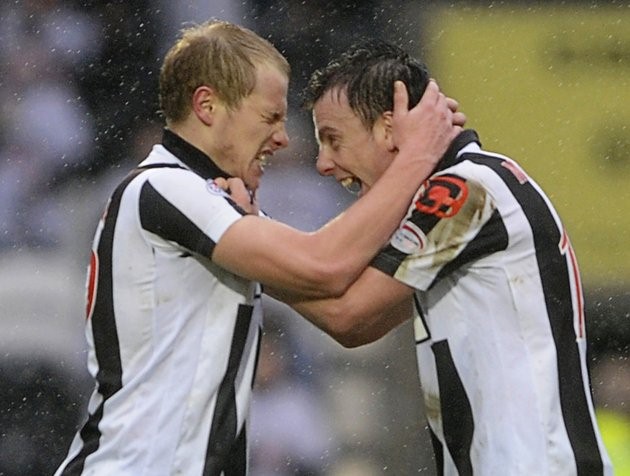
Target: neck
198, 136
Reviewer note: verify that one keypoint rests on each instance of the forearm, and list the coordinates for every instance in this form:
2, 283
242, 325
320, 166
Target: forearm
371, 307
353, 328
353, 238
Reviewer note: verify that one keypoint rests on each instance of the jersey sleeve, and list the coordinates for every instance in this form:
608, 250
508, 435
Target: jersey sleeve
182, 208
450, 222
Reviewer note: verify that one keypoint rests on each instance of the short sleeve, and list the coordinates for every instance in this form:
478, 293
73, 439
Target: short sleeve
181, 207
442, 224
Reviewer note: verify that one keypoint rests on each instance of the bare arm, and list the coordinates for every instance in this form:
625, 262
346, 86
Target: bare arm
325, 262
372, 306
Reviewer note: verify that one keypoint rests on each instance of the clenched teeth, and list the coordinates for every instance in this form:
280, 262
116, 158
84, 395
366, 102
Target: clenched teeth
263, 159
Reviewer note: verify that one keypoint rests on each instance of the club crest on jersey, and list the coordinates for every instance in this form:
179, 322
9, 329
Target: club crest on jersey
409, 238
213, 188
442, 196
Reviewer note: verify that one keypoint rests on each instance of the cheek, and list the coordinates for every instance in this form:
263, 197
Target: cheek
345, 160
369, 165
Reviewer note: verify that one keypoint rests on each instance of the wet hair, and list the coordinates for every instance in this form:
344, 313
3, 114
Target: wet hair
218, 54
366, 73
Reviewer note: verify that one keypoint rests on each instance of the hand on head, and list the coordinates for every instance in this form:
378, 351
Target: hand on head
237, 191
430, 126
459, 118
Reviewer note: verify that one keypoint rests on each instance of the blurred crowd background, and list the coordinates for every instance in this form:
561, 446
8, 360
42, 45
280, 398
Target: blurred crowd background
544, 82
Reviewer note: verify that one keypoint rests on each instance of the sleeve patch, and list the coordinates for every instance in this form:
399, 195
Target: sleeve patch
409, 238
442, 196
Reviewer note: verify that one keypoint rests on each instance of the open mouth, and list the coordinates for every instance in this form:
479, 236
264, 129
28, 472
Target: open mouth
351, 184
263, 159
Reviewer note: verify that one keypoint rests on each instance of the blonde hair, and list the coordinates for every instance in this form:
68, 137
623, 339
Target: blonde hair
218, 54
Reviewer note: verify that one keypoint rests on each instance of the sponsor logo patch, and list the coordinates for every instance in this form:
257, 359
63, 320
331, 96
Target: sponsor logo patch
409, 239
442, 196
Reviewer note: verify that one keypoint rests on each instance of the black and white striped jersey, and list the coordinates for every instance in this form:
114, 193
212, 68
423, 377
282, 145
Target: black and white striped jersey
500, 327
173, 339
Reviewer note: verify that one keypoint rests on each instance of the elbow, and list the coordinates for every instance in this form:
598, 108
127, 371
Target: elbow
351, 341
331, 280
344, 327
356, 336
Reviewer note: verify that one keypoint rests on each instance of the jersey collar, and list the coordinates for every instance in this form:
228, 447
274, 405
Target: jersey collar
192, 157
452, 153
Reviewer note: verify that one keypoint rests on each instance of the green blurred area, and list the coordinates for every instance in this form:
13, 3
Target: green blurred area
550, 87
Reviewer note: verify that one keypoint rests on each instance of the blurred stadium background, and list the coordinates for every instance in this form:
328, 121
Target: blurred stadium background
547, 83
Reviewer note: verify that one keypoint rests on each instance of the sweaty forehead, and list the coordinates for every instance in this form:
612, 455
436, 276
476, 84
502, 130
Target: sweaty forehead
332, 107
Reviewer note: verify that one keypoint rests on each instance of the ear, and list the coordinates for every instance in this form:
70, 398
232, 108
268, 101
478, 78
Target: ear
383, 130
204, 102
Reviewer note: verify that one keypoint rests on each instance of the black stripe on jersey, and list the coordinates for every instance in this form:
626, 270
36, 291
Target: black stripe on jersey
491, 238
106, 344
161, 217
225, 452
438, 450
423, 320
457, 418
554, 275
256, 360
238, 456
388, 260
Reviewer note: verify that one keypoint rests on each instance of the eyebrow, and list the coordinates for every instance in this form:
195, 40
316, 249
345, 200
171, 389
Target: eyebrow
275, 116
326, 131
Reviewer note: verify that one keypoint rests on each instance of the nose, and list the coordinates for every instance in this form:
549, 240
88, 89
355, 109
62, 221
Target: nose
280, 137
325, 166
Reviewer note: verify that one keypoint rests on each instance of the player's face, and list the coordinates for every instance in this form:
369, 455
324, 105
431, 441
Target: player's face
354, 155
249, 135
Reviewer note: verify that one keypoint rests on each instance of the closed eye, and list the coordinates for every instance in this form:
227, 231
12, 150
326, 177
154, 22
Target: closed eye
274, 118
326, 137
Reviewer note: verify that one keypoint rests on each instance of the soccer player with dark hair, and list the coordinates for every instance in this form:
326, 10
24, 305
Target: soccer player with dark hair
483, 266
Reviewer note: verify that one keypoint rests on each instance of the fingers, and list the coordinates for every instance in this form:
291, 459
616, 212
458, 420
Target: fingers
459, 119
236, 189
238, 192
432, 93
242, 196
453, 105
401, 98
222, 183
234, 186
447, 105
